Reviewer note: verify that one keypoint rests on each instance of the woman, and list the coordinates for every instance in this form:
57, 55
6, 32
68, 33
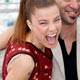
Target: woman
37, 28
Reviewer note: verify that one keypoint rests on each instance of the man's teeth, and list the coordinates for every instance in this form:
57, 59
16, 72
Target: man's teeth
72, 13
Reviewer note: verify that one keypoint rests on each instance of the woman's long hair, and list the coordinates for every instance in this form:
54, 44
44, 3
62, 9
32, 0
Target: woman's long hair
27, 7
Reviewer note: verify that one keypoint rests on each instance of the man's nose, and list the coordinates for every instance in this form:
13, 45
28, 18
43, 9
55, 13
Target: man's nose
75, 5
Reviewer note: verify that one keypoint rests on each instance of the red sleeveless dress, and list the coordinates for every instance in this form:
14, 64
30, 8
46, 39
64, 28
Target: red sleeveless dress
43, 61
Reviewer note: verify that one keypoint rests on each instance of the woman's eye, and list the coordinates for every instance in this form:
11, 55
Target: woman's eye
43, 23
67, 0
57, 19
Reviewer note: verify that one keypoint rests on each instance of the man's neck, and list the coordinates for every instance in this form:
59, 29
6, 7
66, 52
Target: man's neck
69, 32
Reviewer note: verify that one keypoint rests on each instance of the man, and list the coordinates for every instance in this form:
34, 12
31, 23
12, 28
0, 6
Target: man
69, 11
66, 58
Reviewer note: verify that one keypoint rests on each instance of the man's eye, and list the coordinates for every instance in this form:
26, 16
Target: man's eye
78, 0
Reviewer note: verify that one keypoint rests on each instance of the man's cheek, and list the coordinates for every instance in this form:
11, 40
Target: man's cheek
79, 4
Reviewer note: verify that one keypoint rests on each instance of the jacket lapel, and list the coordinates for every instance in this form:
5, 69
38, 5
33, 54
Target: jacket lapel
78, 48
58, 56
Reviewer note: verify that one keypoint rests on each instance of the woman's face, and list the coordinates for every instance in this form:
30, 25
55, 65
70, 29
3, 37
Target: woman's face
45, 26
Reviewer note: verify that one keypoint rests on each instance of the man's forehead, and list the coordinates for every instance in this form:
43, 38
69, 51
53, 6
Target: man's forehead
67, 0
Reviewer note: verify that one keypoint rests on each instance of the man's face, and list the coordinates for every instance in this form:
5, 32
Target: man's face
69, 9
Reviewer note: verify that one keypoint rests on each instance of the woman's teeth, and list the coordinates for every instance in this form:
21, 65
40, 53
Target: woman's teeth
51, 35
51, 38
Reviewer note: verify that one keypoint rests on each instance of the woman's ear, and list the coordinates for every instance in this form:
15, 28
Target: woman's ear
29, 24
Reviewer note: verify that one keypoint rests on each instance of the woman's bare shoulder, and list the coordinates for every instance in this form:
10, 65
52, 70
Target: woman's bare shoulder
21, 67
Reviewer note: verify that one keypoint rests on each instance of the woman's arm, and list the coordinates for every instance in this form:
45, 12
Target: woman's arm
20, 68
4, 37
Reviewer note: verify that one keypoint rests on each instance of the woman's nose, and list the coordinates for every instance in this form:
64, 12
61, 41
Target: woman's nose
53, 28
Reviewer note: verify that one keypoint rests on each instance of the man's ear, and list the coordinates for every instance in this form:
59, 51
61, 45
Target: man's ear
29, 24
